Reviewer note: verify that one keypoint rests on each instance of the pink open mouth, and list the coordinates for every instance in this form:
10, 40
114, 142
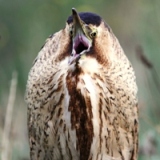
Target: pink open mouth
81, 45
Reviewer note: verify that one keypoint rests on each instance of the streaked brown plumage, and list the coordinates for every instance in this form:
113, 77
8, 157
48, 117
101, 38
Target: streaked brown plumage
81, 95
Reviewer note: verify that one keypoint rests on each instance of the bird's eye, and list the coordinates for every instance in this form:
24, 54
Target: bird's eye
93, 34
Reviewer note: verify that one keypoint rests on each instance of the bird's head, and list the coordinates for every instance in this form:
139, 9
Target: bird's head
89, 35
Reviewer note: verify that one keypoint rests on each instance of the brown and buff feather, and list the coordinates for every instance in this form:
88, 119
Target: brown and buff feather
85, 110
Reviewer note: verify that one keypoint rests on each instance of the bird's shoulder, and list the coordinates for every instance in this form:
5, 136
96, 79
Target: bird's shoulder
44, 71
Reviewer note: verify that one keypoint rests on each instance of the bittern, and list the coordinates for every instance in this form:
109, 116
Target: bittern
82, 95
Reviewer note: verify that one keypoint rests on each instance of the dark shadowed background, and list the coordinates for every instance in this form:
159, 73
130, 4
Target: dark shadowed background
24, 26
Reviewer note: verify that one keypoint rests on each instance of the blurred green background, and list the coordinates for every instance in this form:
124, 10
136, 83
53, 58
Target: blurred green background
24, 26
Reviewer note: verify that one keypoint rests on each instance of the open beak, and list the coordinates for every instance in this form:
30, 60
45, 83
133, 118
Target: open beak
80, 43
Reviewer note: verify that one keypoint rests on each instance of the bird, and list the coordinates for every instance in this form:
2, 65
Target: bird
81, 95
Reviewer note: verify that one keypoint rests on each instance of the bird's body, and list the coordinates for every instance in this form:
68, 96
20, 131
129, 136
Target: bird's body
82, 106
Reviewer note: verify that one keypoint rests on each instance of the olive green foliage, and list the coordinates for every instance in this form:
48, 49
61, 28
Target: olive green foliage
24, 26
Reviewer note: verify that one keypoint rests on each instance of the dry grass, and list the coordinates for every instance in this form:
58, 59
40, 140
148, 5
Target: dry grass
13, 128
6, 149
